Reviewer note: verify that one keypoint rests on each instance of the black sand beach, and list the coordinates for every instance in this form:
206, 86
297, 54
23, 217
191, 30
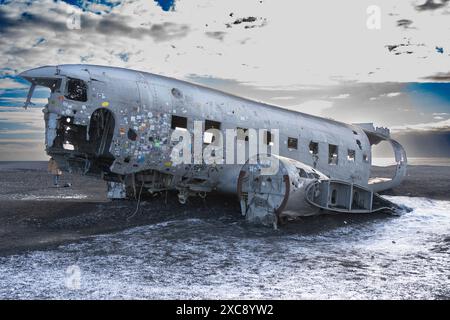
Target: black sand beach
34, 214
206, 250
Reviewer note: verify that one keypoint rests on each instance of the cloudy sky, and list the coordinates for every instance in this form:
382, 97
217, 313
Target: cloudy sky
380, 61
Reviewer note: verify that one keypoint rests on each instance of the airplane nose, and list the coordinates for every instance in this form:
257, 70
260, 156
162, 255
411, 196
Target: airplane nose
41, 72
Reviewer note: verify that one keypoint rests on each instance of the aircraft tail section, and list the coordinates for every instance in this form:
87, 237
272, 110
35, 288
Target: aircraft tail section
296, 189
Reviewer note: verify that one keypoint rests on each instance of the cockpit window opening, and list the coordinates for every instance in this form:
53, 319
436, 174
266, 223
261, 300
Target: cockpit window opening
52, 83
55, 85
76, 90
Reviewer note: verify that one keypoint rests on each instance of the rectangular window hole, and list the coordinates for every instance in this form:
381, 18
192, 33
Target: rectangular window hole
351, 155
292, 143
313, 148
332, 154
178, 122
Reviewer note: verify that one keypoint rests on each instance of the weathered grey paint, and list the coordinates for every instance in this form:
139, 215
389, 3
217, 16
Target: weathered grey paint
144, 103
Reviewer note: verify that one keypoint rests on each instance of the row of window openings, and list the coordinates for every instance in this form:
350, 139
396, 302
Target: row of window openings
333, 153
77, 90
242, 134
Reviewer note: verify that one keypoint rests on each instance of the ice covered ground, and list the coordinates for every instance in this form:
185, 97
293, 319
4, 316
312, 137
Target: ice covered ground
405, 257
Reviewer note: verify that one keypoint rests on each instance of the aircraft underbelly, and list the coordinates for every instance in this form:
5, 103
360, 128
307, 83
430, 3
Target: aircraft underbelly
119, 125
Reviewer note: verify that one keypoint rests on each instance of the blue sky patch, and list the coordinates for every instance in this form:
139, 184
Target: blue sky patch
166, 5
430, 96
86, 5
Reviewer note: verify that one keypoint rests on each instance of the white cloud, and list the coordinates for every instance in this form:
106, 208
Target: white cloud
283, 98
431, 126
393, 94
440, 113
307, 47
314, 107
318, 43
341, 96
288, 87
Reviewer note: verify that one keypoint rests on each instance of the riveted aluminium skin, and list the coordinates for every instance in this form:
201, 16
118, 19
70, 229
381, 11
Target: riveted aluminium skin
141, 105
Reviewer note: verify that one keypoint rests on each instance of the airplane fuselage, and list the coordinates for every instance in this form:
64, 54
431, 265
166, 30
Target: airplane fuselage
118, 123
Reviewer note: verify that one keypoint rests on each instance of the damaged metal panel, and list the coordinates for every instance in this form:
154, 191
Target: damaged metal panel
117, 124
268, 199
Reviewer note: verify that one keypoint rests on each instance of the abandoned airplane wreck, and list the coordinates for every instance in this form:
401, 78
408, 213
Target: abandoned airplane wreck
118, 124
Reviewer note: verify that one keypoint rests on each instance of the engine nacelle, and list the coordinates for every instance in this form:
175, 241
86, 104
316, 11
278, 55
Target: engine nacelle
274, 197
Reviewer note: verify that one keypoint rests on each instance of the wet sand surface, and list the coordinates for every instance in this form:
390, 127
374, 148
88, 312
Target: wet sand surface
421, 181
206, 250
